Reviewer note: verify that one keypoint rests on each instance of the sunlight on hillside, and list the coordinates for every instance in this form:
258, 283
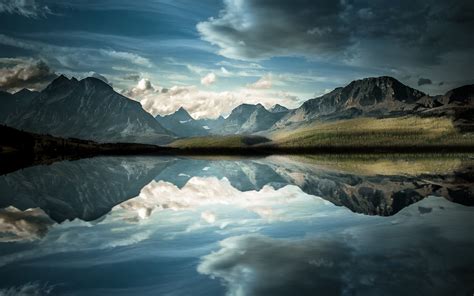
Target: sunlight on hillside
401, 131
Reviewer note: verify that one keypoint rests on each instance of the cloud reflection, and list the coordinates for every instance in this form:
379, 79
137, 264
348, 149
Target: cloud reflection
28, 225
395, 257
201, 193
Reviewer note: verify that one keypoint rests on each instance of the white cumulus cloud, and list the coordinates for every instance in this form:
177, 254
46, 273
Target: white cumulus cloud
265, 82
209, 79
203, 103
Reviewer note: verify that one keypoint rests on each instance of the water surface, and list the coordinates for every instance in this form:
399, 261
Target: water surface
266, 226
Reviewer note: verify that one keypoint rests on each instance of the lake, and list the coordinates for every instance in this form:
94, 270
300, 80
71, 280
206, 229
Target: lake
277, 225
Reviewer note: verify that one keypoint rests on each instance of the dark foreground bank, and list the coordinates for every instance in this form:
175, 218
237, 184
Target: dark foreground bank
20, 149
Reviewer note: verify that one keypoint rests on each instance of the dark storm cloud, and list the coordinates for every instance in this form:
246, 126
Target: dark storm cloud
424, 81
16, 74
261, 29
256, 29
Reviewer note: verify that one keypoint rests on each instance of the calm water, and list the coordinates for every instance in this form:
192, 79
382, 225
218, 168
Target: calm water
268, 226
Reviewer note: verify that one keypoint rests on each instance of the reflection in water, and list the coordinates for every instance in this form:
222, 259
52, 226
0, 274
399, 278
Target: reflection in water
272, 226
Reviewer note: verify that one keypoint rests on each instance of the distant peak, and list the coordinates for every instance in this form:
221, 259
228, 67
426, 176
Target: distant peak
278, 108
182, 112
58, 82
247, 106
379, 79
94, 82
60, 78
23, 91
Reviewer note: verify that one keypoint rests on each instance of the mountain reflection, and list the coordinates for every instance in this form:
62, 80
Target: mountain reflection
87, 189
267, 226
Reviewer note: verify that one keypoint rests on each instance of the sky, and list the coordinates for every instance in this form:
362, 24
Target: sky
211, 55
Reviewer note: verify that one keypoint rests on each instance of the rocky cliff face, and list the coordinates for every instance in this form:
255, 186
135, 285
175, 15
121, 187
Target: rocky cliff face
371, 96
88, 109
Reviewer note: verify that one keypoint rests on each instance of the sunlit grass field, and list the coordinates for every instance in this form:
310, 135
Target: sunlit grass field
373, 132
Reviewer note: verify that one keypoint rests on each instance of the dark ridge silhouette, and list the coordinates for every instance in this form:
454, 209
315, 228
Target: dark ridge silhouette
20, 149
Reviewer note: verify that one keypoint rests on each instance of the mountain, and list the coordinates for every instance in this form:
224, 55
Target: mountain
13, 104
87, 109
211, 124
384, 97
374, 96
277, 108
458, 104
26, 95
244, 119
182, 124
247, 119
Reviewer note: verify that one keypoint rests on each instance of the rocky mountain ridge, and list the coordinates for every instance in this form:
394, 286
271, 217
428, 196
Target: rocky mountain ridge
87, 109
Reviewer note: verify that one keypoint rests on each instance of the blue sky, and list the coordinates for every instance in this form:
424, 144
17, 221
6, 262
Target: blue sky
212, 55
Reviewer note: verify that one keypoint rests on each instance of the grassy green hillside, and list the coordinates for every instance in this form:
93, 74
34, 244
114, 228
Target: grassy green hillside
372, 132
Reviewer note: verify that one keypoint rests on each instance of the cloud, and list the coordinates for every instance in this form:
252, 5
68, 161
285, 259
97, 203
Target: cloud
128, 56
28, 289
260, 265
378, 35
99, 76
144, 85
209, 217
78, 58
26, 8
253, 29
28, 225
205, 192
357, 258
202, 103
19, 73
143, 90
265, 82
424, 81
209, 79
132, 77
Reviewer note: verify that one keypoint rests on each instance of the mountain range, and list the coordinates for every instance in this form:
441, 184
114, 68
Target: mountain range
377, 97
245, 119
87, 109
90, 109
381, 97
